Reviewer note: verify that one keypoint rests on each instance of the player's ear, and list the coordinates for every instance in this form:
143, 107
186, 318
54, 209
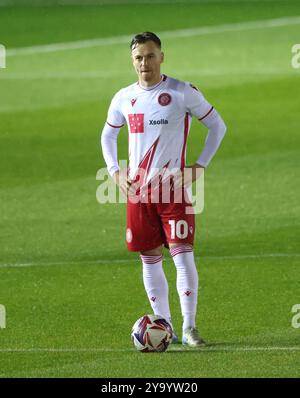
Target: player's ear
162, 57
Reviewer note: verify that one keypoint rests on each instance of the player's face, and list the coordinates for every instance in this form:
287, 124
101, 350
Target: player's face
147, 58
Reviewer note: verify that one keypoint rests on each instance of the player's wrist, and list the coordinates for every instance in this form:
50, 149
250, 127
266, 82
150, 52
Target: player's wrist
115, 176
198, 165
197, 170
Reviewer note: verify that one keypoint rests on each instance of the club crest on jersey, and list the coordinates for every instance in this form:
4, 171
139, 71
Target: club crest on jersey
164, 99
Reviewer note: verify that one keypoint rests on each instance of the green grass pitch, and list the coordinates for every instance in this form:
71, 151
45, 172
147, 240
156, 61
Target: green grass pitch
70, 288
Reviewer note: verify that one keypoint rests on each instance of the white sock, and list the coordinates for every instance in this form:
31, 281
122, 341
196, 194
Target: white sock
187, 283
156, 285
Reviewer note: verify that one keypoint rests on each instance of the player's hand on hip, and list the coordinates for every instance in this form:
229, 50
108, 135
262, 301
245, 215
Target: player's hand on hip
122, 180
197, 171
185, 178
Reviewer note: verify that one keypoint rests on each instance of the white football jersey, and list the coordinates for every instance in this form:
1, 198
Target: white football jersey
158, 119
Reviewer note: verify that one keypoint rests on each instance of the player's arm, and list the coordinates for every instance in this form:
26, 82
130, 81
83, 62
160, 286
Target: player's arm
216, 131
109, 146
109, 138
198, 106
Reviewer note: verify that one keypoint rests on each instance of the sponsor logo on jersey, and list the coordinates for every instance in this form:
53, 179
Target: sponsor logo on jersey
133, 101
155, 122
164, 99
136, 122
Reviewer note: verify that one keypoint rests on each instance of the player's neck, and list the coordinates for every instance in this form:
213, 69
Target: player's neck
152, 83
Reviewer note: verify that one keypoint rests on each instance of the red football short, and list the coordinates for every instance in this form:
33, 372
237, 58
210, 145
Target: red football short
150, 225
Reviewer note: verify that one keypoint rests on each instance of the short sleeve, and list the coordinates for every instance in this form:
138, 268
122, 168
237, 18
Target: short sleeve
195, 102
115, 117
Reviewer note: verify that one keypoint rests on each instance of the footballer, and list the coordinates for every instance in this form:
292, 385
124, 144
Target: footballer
158, 111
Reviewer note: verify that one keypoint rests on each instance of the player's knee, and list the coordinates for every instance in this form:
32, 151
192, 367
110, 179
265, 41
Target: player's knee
173, 245
154, 252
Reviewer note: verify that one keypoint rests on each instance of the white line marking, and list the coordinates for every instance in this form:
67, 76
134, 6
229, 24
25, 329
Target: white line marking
5, 3
130, 260
179, 33
246, 256
113, 74
72, 45
66, 75
239, 349
171, 349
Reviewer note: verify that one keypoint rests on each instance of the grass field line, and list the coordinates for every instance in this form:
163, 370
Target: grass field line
171, 349
9, 3
178, 33
113, 74
128, 260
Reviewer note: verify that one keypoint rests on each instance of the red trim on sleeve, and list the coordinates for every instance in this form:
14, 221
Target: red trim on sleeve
206, 113
186, 130
116, 127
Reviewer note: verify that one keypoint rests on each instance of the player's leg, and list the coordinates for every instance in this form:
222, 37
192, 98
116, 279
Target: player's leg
179, 226
145, 234
154, 252
155, 282
187, 288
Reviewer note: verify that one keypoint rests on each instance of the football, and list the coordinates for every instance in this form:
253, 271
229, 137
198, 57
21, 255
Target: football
151, 333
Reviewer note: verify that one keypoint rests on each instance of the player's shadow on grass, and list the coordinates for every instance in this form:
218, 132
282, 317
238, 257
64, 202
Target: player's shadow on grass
209, 347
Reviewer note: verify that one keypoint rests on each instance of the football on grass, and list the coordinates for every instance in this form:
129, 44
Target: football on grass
151, 333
